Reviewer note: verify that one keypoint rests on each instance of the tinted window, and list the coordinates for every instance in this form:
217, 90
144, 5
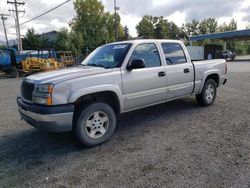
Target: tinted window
4, 53
174, 53
149, 53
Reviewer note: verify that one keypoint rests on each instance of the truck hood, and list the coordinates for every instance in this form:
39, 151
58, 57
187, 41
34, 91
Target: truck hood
57, 76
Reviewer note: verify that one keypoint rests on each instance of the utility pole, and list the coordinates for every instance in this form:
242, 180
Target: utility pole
116, 29
3, 17
15, 3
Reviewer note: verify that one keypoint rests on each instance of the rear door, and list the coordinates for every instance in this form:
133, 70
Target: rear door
147, 85
180, 73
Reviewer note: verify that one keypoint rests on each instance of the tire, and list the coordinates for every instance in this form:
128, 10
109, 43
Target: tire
15, 73
208, 93
95, 124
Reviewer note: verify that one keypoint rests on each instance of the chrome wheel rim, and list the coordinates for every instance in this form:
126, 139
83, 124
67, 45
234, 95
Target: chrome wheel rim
209, 93
97, 124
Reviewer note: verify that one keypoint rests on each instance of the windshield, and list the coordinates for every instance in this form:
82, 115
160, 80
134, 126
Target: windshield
108, 56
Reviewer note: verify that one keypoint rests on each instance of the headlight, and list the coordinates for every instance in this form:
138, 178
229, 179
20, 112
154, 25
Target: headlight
44, 88
42, 94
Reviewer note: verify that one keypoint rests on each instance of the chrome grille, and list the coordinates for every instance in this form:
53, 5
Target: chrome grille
27, 90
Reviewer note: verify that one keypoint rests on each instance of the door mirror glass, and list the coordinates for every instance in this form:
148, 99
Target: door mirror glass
136, 64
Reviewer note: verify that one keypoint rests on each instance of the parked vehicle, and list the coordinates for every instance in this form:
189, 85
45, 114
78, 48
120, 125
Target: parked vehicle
227, 54
66, 58
116, 78
10, 60
40, 61
29, 61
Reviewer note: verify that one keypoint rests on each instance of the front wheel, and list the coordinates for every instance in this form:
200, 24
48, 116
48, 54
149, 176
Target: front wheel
208, 93
95, 124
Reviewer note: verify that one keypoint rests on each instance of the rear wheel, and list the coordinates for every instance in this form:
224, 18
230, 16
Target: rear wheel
208, 94
15, 73
95, 124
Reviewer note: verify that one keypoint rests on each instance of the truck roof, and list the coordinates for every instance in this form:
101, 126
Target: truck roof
138, 41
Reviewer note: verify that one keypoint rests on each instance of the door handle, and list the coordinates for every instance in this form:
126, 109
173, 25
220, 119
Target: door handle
161, 74
186, 70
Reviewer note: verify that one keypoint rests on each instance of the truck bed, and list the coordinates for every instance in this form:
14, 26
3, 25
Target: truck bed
205, 67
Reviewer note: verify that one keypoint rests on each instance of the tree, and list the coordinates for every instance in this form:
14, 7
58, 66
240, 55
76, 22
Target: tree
174, 31
89, 21
62, 42
192, 28
45, 43
126, 33
211, 25
31, 40
248, 49
183, 33
76, 43
145, 27
208, 25
157, 27
94, 24
230, 27
110, 26
163, 28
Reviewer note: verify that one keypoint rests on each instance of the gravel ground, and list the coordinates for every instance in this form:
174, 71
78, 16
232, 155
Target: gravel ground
176, 144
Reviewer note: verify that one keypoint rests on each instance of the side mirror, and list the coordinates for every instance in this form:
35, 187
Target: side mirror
136, 64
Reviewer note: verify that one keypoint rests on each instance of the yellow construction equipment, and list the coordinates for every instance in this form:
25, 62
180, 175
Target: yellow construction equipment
66, 58
41, 62
34, 64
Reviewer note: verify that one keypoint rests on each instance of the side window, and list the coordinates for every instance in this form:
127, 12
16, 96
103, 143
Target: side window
149, 53
3, 53
174, 53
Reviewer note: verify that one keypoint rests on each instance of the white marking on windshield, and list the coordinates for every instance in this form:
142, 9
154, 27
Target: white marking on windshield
121, 46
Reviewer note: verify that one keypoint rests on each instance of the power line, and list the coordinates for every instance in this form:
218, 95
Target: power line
43, 13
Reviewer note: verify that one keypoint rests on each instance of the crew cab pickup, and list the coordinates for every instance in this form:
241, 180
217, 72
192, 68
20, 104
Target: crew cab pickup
116, 78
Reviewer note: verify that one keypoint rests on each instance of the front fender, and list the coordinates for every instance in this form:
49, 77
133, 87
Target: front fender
96, 89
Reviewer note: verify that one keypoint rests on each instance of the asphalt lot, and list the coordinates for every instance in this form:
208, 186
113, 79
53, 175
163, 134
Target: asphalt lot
176, 144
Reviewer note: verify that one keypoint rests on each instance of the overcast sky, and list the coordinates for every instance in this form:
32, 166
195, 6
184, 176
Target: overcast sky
131, 11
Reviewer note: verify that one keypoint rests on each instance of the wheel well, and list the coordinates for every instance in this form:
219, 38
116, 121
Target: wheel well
214, 77
108, 97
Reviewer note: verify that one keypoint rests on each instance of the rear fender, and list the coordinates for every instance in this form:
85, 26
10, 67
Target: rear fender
206, 74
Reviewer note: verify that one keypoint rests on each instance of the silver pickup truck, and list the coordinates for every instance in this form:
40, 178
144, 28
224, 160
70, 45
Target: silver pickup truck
113, 79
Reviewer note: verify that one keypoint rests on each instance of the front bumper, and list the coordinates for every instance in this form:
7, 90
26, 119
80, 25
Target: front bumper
48, 118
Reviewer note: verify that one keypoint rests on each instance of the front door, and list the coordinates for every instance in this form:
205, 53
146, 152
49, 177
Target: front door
147, 85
